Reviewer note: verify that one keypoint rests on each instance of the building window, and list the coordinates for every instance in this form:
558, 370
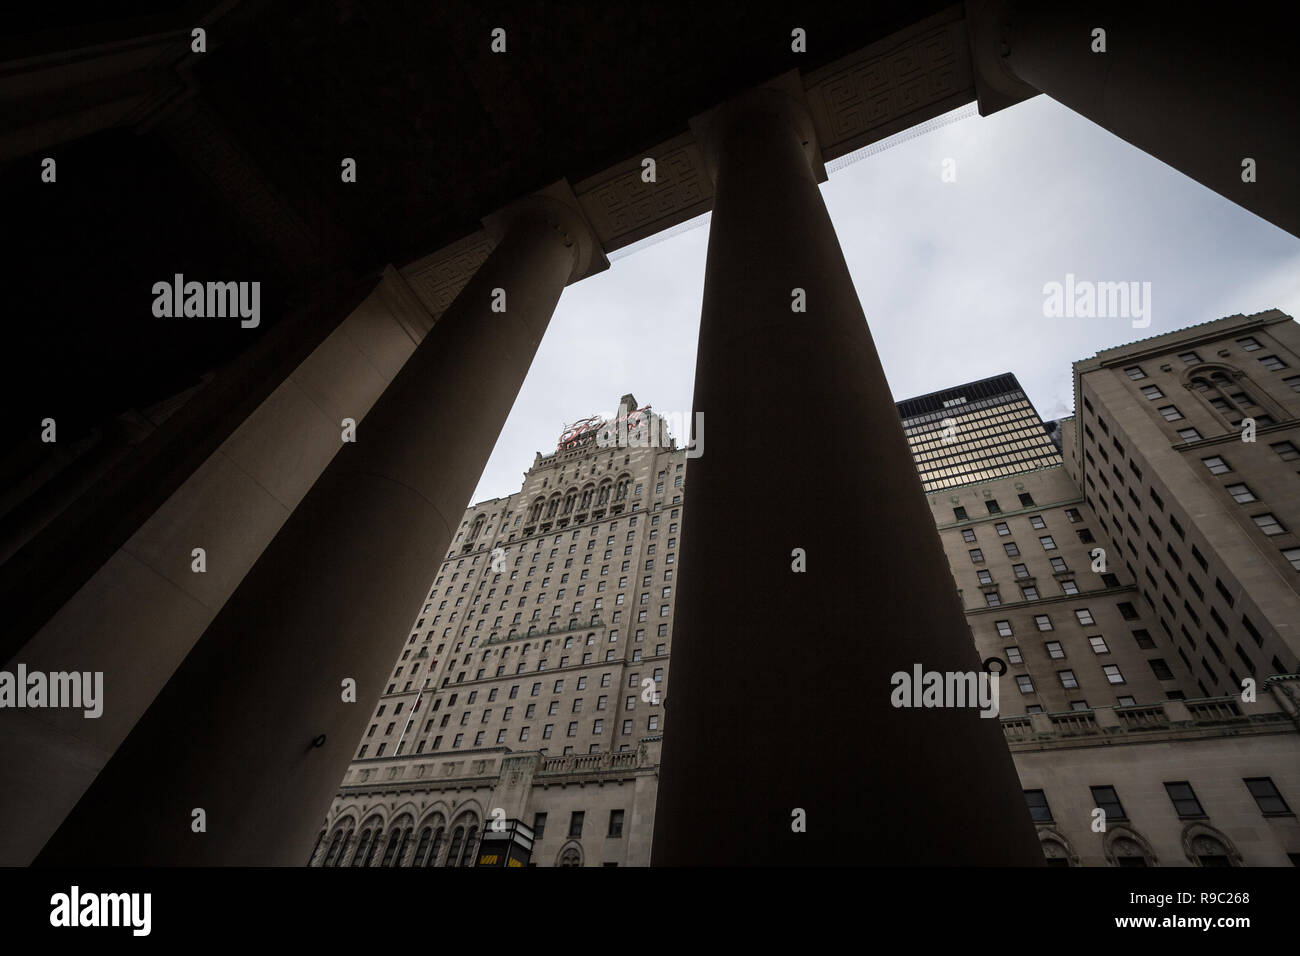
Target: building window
1002, 528
1085, 617
1025, 684
1047, 542
1054, 650
1011, 549
976, 556
1026, 500
1216, 465
1170, 413
992, 505
1043, 621
1249, 343
1036, 521
1004, 628
984, 577
1285, 450
1029, 591
1272, 363
1068, 680
615, 823
1108, 800
1160, 669
1189, 358
575, 823
1039, 811
1072, 515
968, 535
959, 513
1098, 644
1113, 674
1189, 434
1069, 587
1241, 493
1184, 799
1013, 655
1266, 795
1152, 392
1135, 372
991, 599
1292, 555
1268, 524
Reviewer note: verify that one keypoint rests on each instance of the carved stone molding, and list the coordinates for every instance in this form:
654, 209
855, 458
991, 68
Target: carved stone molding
890, 86
623, 209
438, 278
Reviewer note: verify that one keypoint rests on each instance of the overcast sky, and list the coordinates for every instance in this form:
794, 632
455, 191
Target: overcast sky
950, 274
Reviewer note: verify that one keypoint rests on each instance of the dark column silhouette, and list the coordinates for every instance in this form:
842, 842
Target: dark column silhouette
778, 696
331, 598
1201, 93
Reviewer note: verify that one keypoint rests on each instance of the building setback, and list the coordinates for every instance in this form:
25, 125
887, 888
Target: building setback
1123, 580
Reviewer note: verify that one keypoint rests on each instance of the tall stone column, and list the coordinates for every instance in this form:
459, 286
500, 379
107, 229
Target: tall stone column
253, 728
778, 703
1203, 94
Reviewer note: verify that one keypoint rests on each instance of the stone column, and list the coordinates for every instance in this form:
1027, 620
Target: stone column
1200, 93
234, 732
778, 699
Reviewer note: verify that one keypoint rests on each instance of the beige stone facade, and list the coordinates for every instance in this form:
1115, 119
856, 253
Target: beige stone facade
531, 687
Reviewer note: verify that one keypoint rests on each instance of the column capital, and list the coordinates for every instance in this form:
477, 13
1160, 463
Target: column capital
781, 100
557, 207
988, 28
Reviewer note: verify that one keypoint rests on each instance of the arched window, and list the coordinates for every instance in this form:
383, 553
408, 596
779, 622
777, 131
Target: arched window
621, 491
587, 494
438, 836
571, 857
363, 847
338, 846
453, 851
390, 851
602, 494
535, 512
570, 500
553, 506
422, 847
315, 851
1210, 851
468, 858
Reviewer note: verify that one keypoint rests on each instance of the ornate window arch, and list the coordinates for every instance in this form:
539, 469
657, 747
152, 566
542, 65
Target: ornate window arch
1057, 848
1124, 846
369, 839
399, 838
340, 843
1223, 390
477, 527
535, 511
570, 500
570, 855
1206, 846
453, 851
469, 856
602, 493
